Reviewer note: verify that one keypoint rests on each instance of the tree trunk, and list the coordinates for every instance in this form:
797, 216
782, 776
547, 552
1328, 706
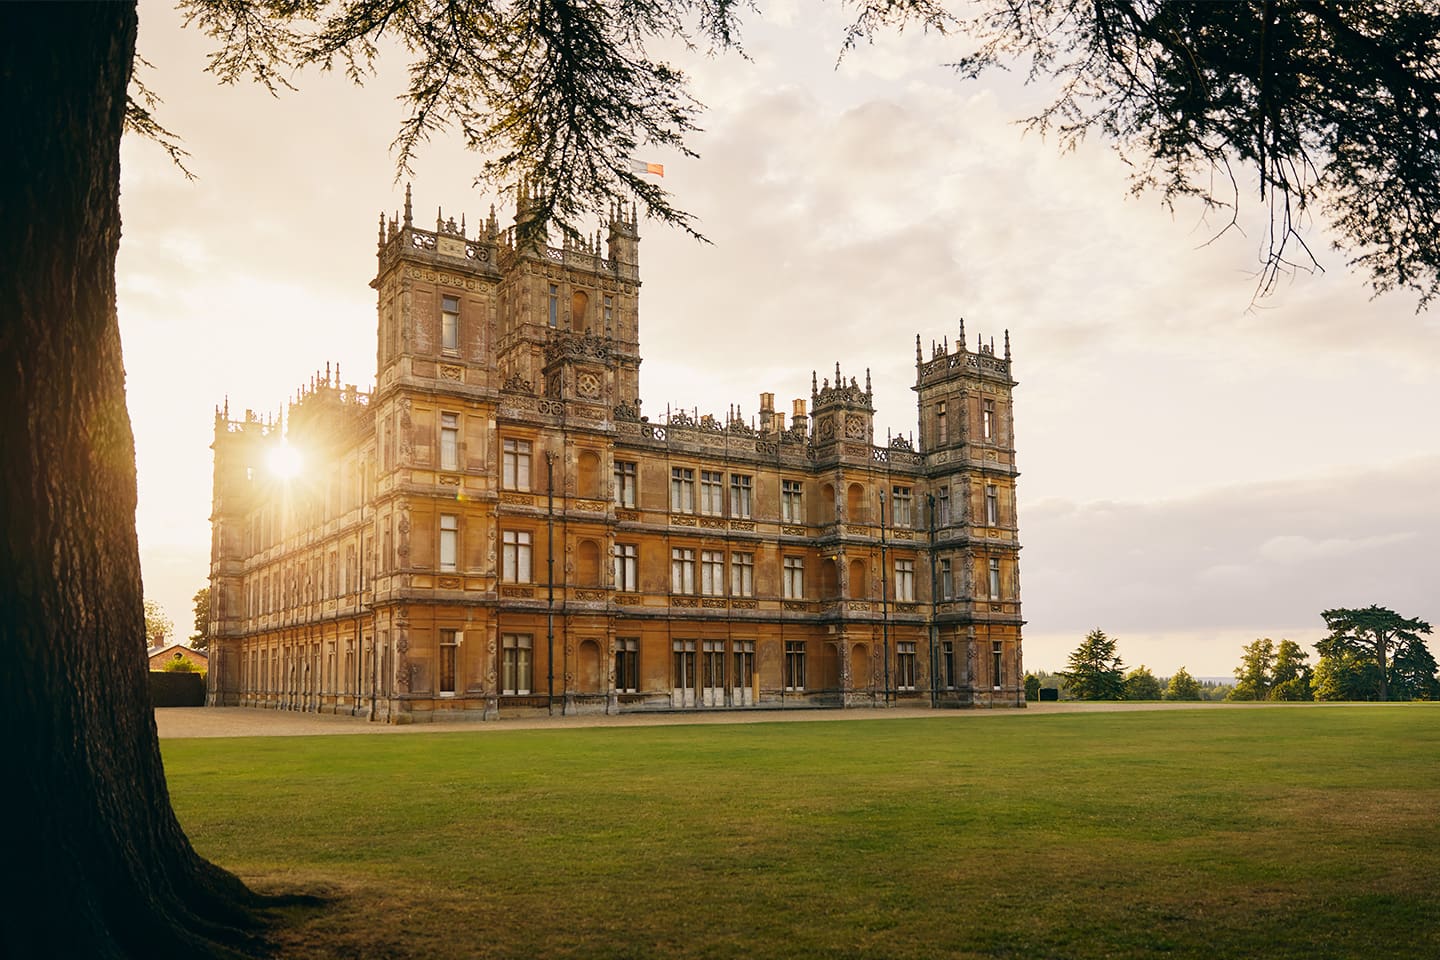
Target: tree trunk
104, 869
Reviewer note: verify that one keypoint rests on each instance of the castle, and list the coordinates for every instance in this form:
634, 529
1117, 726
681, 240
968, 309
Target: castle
495, 529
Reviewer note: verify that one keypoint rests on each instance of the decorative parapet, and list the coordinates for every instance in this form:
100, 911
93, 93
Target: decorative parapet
975, 362
576, 345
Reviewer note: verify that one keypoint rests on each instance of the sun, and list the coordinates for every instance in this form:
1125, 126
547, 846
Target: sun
284, 461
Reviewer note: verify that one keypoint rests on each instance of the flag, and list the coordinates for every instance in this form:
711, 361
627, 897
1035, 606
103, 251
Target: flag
640, 166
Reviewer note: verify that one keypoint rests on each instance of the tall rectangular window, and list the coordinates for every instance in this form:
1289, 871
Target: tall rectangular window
682, 490
905, 665
942, 507
712, 493
627, 566
740, 496
515, 556
624, 483
712, 573
947, 581
515, 663
684, 651
449, 541
942, 426
627, 664
987, 420
448, 650
792, 501
905, 581
997, 664
744, 663
793, 578
609, 311
794, 664
515, 465
994, 578
947, 662
992, 505
450, 324
712, 664
901, 507
682, 570
742, 574
553, 316
449, 441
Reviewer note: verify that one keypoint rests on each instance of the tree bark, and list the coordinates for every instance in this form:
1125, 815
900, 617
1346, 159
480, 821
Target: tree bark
104, 869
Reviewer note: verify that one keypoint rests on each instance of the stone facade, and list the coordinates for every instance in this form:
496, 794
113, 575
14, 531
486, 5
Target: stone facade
496, 528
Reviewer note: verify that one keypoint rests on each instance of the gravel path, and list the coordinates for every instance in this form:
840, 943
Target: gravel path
254, 722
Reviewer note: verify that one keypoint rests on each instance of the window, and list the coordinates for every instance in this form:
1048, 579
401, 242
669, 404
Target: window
994, 578
794, 664
997, 664
627, 563
947, 581
793, 578
739, 495
627, 664
450, 324
684, 651
609, 311
987, 420
744, 663
515, 556
449, 644
947, 662
942, 426
905, 581
624, 483
901, 507
682, 570
449, 537
942, 507
682, 490
449, 441
554, 315
712, 491
792, 501
712, 573
712, 664
905, 665
515, 465
515, 663
992, 505
742, 574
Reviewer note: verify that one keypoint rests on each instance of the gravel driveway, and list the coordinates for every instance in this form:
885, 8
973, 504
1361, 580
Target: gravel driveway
254, 722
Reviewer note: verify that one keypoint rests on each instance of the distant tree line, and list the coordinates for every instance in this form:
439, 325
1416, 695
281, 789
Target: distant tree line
1096, 672
1368, 654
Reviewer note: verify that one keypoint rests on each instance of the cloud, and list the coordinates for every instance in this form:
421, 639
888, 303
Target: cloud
1264, 557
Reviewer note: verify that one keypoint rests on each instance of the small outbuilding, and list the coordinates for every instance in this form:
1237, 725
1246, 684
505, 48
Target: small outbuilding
162, 656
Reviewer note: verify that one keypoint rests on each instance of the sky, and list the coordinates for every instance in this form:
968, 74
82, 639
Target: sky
1198, 470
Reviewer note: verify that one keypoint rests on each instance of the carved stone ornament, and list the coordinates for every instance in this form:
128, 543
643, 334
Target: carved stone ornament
587, 384
579, 346
627, 411
518, 384
854, 428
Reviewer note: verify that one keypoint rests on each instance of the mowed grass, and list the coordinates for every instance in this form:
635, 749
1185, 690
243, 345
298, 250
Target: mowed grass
1304, 831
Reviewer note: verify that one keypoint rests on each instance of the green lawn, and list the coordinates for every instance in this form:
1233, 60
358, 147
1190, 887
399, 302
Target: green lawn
1297, 831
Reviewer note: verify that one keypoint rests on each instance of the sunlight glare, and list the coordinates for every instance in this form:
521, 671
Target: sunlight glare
284, 461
